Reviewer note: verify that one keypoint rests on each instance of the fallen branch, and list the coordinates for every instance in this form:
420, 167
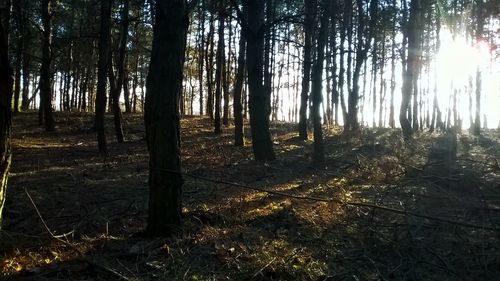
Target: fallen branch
56, 237
331, 200
262, 269
73, 247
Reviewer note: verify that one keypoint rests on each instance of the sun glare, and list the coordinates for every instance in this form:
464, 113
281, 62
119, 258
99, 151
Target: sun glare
457, 64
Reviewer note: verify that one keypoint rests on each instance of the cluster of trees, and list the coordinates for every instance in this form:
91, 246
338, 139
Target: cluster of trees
314, 61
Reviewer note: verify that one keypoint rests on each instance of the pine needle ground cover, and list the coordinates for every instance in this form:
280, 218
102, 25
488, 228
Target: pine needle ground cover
377, 209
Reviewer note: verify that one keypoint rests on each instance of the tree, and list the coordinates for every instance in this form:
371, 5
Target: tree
164, 86
201, 51
259, 99
317, 84
393, 64
306, 78
46, 73
102, 74
209, 61
19, 52
238, 87
117, 81
476, 127
412, 64
364, 36
6, 91
219, 68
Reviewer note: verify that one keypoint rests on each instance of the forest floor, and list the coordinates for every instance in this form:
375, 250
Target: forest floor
436, 213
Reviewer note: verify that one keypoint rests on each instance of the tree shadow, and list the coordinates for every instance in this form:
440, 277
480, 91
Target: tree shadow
240, 234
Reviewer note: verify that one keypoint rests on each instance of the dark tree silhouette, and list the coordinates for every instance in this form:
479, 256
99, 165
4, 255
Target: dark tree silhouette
412, 64
164, 86
6, 87
219, 69
306, 74
259, 99
118, 81
317, 84
102, 74
46, 72
238, 87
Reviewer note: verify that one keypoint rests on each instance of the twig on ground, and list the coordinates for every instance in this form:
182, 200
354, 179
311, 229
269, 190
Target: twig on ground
264, 267
331, 200
56, 237
73, 247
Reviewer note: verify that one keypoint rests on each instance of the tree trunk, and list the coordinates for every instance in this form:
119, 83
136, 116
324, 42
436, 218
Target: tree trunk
46, 74
476, 128
102, 73
374, 80
116, 85
364, 39
25, 57
209, 57
317, 87
268, 51
25, 100
19, 55
219, 70
129, 100
304, 95
201, 53
414, 33
115, 90
65, 96
382, 86
226, 73
259, 99
342, 70
164, 86
333, 51
239, 139
6, 87
392, 122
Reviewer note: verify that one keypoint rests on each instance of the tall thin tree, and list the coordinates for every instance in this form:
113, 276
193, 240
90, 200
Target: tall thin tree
46, 72
317, 84
164, 86
412, 64
102, 73
306, 75
6, 91
238, 87
259, 99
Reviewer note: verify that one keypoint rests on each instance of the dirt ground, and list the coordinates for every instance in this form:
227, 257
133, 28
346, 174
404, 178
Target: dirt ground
436, 214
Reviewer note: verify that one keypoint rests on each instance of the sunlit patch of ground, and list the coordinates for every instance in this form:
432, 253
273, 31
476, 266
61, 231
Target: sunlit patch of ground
98, 206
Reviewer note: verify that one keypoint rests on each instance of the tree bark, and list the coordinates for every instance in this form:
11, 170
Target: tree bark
19, 53
117, 82
239, 139
412, 65
209, 57
6, 88
219, 70
201, 53
306, 78
476, 128
115, 90
46, 73
102, 73
317, 86
392, 122
226, 73
259, 99
364, 40
164, 86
